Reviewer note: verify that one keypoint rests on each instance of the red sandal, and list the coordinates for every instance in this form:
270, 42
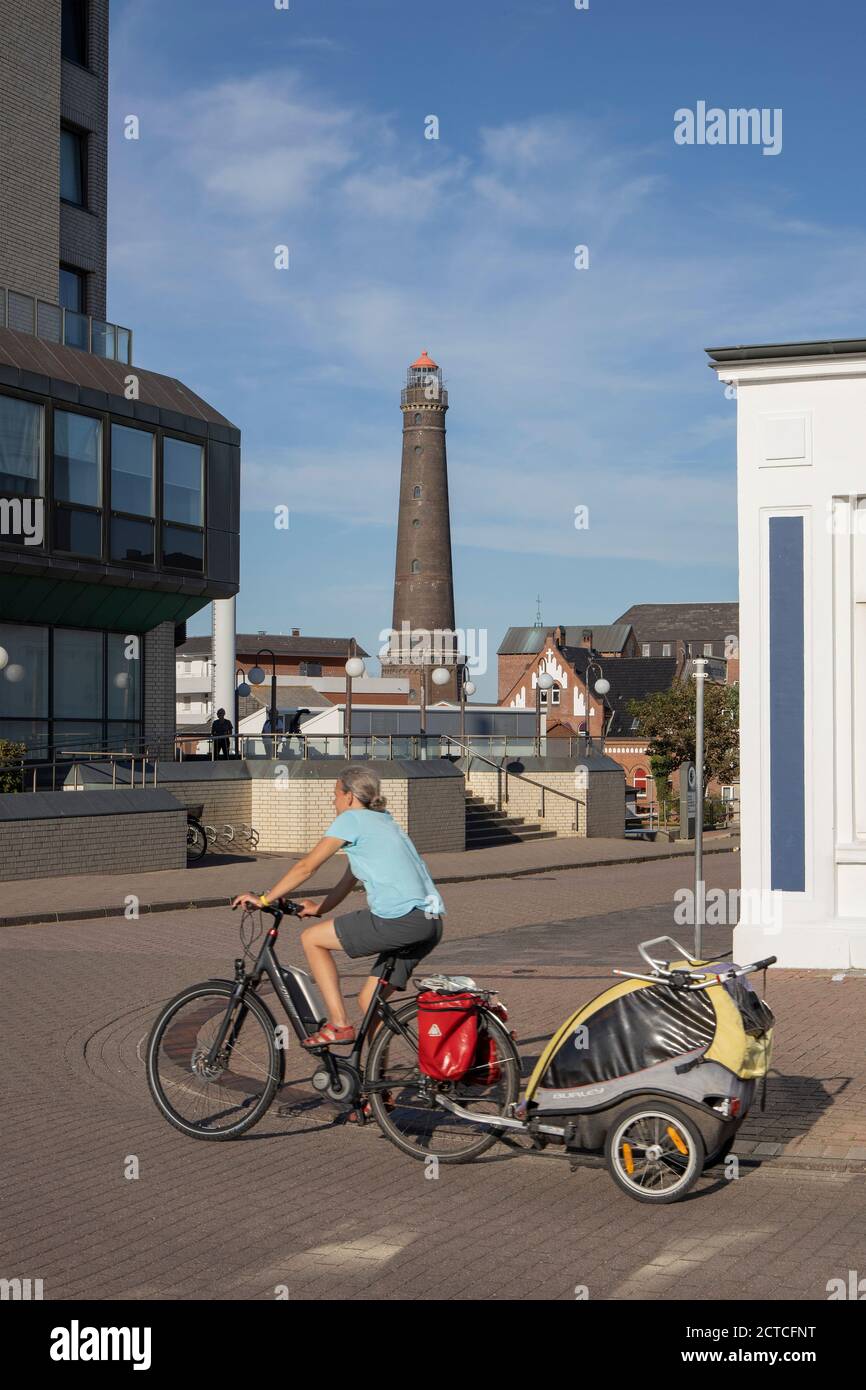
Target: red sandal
329, 1034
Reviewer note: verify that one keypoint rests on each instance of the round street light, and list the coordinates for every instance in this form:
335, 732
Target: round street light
545, 680
355, 667
257, 675
4, 657
469, 688
440, 676
602, 686
243, 690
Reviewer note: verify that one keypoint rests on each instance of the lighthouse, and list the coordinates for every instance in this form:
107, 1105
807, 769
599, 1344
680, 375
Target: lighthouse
422, 632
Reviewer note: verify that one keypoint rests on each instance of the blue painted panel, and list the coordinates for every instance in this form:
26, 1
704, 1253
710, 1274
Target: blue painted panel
787, 710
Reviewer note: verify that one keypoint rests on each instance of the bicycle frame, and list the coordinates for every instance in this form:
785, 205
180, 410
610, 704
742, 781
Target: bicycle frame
266, 964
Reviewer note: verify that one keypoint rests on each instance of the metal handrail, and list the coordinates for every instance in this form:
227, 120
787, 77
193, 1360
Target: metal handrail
21, 766
521, 777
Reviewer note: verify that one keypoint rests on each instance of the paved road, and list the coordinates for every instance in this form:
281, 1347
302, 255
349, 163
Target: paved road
325, 1210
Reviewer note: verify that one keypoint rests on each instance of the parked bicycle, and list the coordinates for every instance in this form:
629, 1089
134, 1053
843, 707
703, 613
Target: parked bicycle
196, 835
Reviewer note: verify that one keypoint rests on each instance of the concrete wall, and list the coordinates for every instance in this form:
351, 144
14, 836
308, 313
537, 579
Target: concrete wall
30, 146
47, 834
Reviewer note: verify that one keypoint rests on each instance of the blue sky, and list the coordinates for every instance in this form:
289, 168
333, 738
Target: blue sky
568, 388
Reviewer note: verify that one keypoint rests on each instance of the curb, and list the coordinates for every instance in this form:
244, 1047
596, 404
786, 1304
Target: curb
86, 914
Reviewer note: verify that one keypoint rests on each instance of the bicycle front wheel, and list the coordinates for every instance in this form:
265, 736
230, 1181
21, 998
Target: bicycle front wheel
223, 1098
401, 1095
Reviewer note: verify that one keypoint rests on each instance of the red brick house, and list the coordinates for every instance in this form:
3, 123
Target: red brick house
525, 652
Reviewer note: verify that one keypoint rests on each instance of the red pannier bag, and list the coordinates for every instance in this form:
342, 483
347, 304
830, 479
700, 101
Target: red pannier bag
447, 1034
486, 1070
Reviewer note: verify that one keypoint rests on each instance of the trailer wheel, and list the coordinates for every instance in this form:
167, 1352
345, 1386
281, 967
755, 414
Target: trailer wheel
655, 1152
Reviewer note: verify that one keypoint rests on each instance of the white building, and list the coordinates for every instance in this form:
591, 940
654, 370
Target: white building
801, 444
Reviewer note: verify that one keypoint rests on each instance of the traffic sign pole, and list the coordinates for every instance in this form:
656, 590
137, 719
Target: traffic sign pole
700, 677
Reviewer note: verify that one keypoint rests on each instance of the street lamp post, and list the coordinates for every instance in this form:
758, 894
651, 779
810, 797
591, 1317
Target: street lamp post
700, 678
439, 676
544, 681
466, 688
240, 690
257, 677
354, 668
601, 688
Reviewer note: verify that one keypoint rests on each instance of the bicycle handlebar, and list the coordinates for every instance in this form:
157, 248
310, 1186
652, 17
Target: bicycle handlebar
280, 907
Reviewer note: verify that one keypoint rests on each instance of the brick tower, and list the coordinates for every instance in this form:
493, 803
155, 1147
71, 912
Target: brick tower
422, 635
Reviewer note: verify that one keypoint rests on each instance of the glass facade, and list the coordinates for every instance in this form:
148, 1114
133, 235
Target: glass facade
148, 485
69, 688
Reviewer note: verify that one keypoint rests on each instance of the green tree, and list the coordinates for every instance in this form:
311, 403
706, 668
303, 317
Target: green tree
10, 777
667, 719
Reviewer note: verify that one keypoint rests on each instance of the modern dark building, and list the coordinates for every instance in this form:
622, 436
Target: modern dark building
119, 486
423, 635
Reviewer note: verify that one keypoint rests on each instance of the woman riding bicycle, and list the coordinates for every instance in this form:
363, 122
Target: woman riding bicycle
404, 911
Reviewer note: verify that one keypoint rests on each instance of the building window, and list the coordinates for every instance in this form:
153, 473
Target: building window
73, 147
310, 668
416, 567
416, 522
92, 701
416, 492
182, 504
554, 695
73, 32
417, 419
24, 686
640, 780
666, 648
73, 289
77, 484
21, 452
708, 649
132, 493
183, 475
645, 649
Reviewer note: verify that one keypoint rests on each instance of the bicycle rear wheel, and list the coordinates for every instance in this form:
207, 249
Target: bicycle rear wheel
401, 1096
223, 1100
196, 841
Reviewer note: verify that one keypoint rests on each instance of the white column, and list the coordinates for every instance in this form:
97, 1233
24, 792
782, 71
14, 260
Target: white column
223, 656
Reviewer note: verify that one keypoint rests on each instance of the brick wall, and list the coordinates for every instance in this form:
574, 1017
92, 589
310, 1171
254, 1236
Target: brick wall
292, 812
159, 689
29, 146
437, 814
39, 844
605, 793
84, 104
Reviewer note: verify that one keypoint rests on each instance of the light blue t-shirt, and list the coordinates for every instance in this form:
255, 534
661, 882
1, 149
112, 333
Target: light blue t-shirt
387, 863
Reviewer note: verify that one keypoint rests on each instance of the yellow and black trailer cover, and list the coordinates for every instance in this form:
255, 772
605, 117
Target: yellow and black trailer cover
636, 1024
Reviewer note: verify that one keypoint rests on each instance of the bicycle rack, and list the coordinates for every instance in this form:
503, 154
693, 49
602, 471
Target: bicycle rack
241, 839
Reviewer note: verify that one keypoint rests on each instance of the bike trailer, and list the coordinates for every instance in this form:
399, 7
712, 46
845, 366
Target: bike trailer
703, 1048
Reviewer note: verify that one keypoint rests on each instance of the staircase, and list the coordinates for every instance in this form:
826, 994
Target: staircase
486, 827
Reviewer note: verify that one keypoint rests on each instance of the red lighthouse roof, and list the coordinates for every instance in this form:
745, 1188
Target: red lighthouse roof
425, 361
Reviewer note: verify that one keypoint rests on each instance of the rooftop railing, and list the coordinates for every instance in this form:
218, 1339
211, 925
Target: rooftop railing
27, 313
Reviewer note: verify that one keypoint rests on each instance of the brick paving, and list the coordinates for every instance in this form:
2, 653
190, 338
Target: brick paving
319, 1209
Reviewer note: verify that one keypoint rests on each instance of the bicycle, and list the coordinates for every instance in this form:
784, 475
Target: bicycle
196, 836
215, 1062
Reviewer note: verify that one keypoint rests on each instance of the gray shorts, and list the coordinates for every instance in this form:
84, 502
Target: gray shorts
409, 938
